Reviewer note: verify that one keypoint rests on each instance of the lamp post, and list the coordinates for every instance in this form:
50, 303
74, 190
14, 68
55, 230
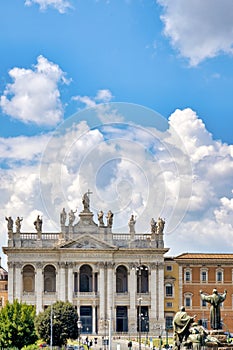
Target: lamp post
79, 325
139, 269
51, 327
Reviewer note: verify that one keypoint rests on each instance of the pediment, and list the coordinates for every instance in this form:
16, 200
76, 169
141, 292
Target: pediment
88, 242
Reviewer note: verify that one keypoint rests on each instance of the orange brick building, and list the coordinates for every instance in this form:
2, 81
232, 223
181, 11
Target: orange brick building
3, 286
205, 272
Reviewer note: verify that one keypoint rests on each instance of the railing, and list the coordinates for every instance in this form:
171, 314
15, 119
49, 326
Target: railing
55, 236
85, 294
44, 236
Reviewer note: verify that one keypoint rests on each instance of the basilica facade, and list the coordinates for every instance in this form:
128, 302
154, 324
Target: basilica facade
113, 279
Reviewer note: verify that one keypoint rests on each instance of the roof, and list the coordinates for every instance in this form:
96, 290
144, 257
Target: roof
3, 273
186, 256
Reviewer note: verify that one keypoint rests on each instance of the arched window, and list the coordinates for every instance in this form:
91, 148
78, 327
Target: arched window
50, 279
28, 279
121, 279
142, 279
85, 278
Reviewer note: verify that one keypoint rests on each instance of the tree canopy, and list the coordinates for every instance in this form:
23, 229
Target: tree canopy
64, 323
17, 325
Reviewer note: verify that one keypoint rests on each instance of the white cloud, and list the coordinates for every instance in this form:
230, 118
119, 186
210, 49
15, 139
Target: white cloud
22, 148
130, 169
34, 97
102, 96
199, 29
61, 5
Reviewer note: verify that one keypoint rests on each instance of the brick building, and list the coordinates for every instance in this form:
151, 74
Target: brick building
3, 286
202, 271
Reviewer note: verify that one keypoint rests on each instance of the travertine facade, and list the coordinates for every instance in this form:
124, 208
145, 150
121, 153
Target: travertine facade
109, 277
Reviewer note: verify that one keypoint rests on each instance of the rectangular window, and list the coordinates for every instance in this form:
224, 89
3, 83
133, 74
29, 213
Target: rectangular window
169, 304
204, 276
219, 276
187, 276
168, 322
187, 301
169, 268
169, 290
203, 303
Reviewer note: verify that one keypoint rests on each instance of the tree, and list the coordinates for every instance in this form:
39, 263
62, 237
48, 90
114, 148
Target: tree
17, 325
63, 318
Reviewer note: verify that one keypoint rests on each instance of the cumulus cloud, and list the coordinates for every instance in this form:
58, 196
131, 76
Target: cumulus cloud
199, 29
61, 5
105, 112
181, 174
33, 96
102, 96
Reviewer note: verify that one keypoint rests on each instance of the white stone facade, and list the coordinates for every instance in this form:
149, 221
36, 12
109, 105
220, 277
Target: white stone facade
108, 277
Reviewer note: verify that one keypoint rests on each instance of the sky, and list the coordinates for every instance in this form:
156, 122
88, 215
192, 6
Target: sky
130, 99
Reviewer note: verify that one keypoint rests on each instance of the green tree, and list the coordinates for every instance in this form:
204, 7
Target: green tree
17, 325
64, 323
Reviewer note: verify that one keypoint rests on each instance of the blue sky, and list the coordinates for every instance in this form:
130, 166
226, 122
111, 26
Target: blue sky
60, 57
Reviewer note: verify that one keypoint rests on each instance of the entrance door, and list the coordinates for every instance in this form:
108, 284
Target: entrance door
121, 319
86, 319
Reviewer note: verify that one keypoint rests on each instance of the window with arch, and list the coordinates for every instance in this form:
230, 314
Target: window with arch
28, 279
121, 279
187, 275
85, 275
219, 275
204, 275
142, 279
50, 279
168, 290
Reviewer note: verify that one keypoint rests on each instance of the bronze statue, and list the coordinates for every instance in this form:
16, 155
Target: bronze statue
181, 324
215, 301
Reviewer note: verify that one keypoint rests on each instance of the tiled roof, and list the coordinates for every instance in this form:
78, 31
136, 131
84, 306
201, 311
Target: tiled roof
204, 256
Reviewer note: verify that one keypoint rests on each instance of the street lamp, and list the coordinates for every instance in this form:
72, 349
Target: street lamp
140, 268
79, 325
51, 326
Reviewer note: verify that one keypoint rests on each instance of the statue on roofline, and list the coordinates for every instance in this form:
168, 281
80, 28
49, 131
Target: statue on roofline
18, 224
10, 223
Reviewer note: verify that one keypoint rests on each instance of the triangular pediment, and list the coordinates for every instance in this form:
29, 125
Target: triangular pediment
88, 242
